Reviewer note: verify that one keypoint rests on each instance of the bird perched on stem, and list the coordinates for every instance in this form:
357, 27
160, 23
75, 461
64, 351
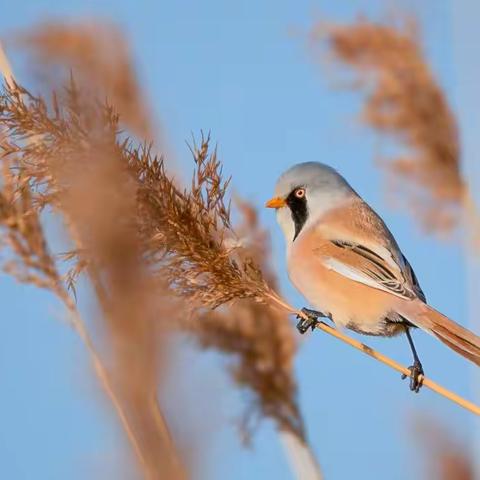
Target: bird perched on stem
347, 264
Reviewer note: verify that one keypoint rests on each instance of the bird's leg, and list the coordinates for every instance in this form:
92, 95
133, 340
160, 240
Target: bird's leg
416, 370
310, 322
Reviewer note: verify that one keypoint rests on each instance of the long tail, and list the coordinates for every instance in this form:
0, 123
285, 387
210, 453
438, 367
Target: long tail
452, 334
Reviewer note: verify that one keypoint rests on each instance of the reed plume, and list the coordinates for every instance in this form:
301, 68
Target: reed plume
260, 344
69, 161
260, 339
26, 254
405, 102
99, 57
447, 458
190, 230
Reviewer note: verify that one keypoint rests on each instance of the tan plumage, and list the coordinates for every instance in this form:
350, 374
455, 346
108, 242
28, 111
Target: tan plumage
347, 264
333, 293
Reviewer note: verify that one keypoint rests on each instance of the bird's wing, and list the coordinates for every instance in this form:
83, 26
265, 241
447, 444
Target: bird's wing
363, 265
357, 244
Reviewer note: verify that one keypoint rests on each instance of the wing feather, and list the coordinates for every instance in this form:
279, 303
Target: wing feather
361, 264
355, 242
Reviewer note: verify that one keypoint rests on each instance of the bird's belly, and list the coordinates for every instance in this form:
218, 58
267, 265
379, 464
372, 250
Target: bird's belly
350, 304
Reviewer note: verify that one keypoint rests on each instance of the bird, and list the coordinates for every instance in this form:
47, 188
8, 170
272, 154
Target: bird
344, 260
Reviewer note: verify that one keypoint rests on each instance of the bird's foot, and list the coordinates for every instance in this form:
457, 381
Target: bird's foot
416, 376
310, 322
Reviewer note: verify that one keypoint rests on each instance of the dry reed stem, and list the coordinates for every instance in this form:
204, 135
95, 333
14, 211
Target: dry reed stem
5, 67
404, 101
472, 219
302, 460
211, 265
380, 357
103, 376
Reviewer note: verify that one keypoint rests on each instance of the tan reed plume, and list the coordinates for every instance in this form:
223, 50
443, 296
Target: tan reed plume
259, 337
75, 190
446, 457
261, 341
30, 261
405, 102
98, 56
131, 303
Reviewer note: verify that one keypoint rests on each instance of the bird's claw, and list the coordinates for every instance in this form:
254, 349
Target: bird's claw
310, 321
416, 377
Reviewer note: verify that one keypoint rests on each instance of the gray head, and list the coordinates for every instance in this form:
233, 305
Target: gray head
304, 193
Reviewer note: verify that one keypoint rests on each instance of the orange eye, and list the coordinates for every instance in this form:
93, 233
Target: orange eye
300, 192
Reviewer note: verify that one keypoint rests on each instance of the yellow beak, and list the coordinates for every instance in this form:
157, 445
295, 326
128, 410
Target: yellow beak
276, 202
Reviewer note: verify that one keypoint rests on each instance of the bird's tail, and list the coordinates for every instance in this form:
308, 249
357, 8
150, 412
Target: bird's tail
452, 334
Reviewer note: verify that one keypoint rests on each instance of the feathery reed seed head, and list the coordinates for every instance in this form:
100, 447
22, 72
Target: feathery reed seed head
259, 337
405, 102
98, 55
72, 161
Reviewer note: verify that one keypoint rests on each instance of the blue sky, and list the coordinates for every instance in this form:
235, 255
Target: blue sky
242, 70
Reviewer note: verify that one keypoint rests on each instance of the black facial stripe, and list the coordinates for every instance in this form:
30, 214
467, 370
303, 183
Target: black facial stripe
298, 207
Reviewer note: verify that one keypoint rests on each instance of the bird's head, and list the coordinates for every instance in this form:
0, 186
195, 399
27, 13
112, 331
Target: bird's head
304, 193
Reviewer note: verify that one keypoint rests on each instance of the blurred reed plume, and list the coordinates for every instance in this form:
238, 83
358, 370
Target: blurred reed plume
404, 101
98, 56
67, 159
260, 338
26, 254
75, 173
261, 341
446, 458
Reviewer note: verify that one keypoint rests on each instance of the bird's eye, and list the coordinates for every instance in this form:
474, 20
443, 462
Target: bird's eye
300, 192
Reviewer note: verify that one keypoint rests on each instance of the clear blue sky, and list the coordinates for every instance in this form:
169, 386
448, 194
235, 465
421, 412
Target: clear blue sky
242, 70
